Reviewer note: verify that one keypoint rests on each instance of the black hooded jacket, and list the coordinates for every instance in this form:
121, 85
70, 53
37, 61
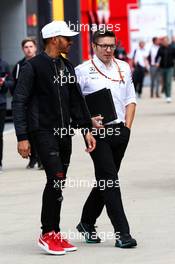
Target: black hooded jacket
45, 101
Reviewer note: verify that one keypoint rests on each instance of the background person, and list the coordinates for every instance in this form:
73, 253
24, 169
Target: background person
173, 46
141, 66
165, 61
154, 70
120, 52
6, 83
29, 48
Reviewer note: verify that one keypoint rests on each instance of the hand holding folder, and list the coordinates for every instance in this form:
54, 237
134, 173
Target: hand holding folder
101, 103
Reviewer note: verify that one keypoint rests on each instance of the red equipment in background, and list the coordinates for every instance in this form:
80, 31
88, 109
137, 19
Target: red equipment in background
118, 17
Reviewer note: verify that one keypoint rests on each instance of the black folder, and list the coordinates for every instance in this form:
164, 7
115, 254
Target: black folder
101, 103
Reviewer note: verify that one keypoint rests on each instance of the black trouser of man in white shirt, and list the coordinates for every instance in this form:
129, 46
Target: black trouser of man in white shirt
107, 159
138, 78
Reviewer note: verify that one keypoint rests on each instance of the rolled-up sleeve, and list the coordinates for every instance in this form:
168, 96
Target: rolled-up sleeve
130, 90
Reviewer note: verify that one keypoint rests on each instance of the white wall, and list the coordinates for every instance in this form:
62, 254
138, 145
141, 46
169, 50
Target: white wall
170, 4
154, 18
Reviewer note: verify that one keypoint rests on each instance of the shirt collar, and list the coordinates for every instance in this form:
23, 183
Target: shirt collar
100, 64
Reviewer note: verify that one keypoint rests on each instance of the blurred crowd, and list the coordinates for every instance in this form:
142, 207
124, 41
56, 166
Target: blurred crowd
156, 60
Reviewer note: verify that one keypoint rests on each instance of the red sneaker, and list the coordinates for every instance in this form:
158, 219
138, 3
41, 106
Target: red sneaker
50, 244
64, 243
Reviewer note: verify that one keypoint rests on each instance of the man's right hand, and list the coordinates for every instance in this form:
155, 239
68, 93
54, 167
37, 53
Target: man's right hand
24, 148
97, 121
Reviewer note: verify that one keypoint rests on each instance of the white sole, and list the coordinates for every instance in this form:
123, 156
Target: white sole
70, 249
50, 251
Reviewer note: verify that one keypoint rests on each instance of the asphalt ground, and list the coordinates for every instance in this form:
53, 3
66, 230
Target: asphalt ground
147, 179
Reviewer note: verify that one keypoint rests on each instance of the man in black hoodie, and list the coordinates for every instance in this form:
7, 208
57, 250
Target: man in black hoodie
6, 83
45, 100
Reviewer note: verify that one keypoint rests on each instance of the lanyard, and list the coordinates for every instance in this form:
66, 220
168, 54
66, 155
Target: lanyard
113, 80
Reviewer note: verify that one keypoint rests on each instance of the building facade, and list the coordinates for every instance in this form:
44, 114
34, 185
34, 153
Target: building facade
21, 18
18, 19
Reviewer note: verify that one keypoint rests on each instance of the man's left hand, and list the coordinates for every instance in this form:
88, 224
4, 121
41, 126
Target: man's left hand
97, 121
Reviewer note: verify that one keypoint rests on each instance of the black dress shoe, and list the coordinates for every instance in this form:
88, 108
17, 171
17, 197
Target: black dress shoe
31, 164
126, 241
40, 166
89, 232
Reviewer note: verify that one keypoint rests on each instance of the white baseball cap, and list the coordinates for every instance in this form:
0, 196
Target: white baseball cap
57, 28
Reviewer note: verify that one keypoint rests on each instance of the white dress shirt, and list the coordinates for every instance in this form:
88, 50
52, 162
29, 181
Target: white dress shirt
140, 57
91, 80
153, 53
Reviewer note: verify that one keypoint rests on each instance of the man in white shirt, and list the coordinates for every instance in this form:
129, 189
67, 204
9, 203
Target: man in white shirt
154, 70
141, 65
103, 71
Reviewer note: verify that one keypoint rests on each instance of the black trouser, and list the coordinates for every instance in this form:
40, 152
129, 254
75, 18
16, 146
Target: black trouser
138, 78
2, 122
54, 153
107, 159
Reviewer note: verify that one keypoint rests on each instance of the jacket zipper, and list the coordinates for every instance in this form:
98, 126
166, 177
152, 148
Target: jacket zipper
59, 95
